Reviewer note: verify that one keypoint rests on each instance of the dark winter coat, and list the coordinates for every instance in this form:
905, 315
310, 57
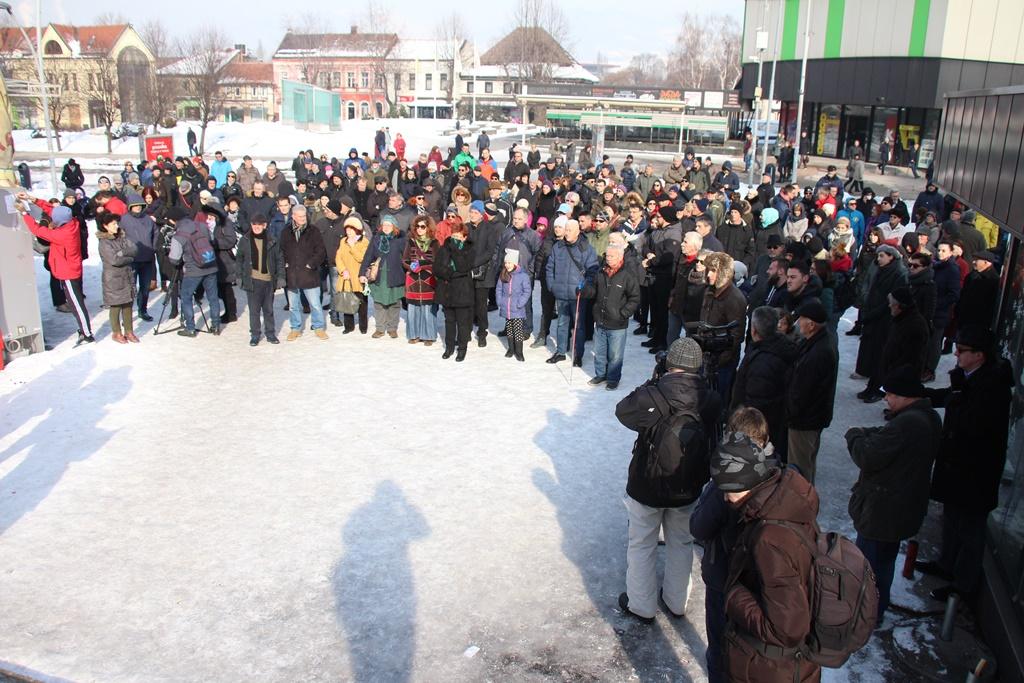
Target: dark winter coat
419, 285
390, 250
452, 267
770, 598
722, 306
485, 242
763, 379
142, 230
738, 241
761, 236
907, 343
922, 286
664, 244
930, 201
978, 299
615, 297
972, 454
512, 296
890, 498
527, 241
875, 316
72, 176
117, 253
687, 295
303, 256
715, 525
225, 237
642, 410
570, 266
244, 256
947, 292
812, 384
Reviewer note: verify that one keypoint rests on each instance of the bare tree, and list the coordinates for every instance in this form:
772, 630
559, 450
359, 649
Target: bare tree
378, 19
309, 31
450, 33
110, 17
706, 64
527, 53
643, 69
160, 92
102, 95
204, 75
58, 108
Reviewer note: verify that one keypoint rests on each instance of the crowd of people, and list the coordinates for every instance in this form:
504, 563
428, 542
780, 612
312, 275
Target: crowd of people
740, 293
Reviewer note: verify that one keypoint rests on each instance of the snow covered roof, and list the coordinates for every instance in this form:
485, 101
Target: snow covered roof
249, 72
193, 64
352, 44
425, 49
86, 41
574, 72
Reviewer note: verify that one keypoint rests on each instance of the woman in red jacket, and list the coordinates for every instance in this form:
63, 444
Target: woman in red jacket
65, 256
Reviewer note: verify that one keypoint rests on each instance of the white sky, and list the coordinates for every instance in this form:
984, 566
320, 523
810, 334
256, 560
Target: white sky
615, 29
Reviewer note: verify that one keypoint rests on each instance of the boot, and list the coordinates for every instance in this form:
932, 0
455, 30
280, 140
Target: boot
448, 351
511, 349
519, 351
460, 356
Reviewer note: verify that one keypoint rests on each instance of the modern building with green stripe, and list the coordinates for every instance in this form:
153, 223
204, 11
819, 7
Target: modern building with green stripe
879, 69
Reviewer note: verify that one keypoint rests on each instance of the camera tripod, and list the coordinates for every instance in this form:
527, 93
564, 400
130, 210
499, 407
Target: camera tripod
174, 290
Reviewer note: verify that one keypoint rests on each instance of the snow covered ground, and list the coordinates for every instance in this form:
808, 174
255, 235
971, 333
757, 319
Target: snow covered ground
355, 509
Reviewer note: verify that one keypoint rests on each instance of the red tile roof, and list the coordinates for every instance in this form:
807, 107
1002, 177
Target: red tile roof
250, 72
92, 40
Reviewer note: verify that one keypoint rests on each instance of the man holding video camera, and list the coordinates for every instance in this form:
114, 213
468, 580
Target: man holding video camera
724, 305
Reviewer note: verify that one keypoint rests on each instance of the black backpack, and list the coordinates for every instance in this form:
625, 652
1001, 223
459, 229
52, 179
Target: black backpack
676, 467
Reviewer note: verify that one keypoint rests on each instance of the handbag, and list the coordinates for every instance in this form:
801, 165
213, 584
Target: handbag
346, 303
373, 272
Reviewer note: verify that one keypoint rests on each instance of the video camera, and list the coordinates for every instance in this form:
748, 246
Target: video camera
714, 339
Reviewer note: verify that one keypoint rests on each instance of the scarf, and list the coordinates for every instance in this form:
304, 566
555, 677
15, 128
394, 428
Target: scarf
262, 265
423, 243
610, 270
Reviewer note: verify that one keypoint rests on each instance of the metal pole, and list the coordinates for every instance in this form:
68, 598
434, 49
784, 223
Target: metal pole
44, 96
771, 93
757, 107
476, 65
522, 128
803, 83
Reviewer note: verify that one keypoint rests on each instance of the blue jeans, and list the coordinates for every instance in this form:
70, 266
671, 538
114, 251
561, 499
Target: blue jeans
316, 309
609, 348
188, 289
567, 322
675, 328
881, 555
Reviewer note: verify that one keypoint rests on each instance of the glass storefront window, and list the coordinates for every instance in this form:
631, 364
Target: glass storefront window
929, 136
1006, 524
885, 127
827, 126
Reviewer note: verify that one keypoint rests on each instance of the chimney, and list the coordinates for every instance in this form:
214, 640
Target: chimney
354, 29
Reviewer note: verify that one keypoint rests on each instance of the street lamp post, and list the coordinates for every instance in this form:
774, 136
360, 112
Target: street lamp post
44, 95
757, 109
803, 83
771, 92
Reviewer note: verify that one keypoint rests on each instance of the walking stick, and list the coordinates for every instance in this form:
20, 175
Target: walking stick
575, 327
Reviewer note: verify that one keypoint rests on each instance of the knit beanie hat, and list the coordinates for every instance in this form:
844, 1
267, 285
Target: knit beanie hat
685, 354
60, 215
739, 464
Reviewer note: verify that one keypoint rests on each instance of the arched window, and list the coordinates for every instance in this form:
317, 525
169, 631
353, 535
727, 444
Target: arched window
52, 47
364, 110
380, 110
351, 109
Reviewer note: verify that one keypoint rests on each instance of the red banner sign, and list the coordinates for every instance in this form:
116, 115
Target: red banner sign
159, 146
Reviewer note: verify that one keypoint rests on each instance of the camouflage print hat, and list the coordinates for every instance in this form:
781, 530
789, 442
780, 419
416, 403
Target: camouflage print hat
739, 464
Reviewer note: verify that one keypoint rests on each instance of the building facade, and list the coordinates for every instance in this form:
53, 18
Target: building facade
82, 60
877, 70
250, 93
421, 76
351, 64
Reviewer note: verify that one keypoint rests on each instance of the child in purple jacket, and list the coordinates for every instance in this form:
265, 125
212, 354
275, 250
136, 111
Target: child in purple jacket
512, 292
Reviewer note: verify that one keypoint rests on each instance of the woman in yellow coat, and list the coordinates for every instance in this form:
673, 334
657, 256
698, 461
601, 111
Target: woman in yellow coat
348, 260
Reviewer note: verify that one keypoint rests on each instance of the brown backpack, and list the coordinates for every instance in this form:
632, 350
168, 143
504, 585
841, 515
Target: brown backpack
843, 596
